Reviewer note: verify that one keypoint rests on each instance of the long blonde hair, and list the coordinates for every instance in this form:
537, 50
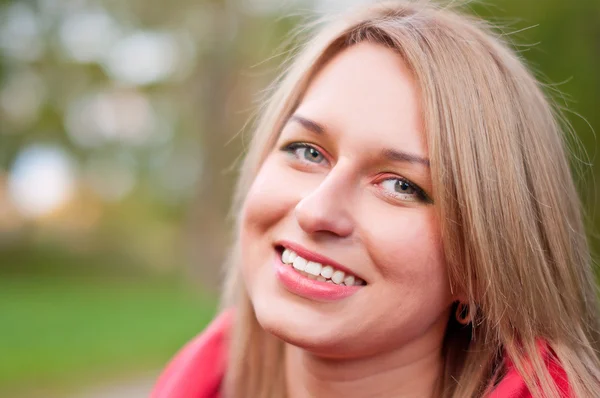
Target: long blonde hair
509, 212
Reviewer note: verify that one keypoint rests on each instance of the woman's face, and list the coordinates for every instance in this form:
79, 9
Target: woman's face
346, 192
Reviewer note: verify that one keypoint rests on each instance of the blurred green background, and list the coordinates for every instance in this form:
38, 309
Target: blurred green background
119, 124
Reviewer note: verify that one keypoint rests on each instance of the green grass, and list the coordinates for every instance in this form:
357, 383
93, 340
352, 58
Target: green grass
60, 333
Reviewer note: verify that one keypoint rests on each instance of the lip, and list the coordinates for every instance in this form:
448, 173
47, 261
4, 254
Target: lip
311, 289
312, 256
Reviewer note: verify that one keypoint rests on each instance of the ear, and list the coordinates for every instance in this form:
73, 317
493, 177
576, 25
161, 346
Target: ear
458, 294
462, 297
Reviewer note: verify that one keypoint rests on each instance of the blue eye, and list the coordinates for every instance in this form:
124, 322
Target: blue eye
402, 189
305, 152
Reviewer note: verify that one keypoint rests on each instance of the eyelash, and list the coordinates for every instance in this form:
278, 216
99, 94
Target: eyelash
420, 194
291, 148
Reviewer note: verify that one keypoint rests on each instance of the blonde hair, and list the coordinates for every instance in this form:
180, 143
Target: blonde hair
509, 212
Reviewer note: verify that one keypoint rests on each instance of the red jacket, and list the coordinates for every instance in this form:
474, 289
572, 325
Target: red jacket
198, 369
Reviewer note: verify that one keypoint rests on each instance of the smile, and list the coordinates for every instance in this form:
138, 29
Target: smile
317, 271
313, 276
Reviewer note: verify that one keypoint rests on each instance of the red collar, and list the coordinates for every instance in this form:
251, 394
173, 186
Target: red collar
512, 384
198, 368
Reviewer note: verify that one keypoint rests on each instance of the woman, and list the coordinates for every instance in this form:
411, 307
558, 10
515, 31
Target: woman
407, 227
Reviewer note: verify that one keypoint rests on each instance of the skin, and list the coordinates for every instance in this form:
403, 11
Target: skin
343, 202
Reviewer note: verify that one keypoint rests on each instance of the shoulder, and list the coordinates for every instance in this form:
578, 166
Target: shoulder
198, 368
513, 385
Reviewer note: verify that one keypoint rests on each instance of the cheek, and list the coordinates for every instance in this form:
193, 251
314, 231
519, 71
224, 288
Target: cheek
267, 205
409, 253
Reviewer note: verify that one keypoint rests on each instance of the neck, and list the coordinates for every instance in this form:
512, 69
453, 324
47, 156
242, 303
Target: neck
405, 372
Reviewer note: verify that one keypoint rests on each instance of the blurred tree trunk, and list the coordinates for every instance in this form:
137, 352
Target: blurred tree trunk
209, 230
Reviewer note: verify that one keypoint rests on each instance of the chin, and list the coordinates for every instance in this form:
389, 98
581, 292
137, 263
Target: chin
293, 319
324, 343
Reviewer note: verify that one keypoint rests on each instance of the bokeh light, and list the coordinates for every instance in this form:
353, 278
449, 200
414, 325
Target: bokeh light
113, 115
20, 32
143, 58
41, 180
87, 36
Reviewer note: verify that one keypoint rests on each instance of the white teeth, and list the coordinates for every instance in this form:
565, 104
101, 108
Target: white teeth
285, 257
338, 277
327, 271
313, 268
300, 264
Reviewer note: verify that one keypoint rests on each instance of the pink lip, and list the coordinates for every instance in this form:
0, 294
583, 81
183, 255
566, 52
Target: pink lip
309, 288
312, 256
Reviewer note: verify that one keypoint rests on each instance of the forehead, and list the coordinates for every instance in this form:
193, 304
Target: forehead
368, 94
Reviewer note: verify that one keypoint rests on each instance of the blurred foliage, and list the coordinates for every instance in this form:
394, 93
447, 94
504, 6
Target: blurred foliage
119, 125
67, 333
561, 43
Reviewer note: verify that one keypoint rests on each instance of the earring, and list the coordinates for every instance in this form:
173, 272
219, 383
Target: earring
463, 315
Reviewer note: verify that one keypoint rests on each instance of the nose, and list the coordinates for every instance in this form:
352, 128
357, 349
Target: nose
327, 208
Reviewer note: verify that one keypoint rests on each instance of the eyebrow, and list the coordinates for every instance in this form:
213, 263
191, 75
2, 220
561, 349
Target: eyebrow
390, 154
400, 156
308, 124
